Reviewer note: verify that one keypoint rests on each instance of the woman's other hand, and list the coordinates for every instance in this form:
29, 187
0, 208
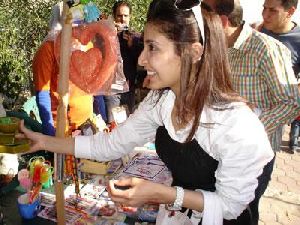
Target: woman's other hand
133, 191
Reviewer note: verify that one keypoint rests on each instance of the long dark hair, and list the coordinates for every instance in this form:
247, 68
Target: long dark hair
208, 83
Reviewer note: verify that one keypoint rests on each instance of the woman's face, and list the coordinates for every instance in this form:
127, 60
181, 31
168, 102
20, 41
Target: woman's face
160, 60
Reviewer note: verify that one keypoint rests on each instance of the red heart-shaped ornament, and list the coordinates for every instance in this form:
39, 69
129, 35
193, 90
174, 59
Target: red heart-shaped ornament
93, 70
86, 66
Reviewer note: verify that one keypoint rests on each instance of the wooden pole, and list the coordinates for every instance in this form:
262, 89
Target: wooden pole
62, 123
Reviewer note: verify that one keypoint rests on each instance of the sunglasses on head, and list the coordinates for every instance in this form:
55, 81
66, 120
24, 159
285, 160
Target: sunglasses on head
195, 6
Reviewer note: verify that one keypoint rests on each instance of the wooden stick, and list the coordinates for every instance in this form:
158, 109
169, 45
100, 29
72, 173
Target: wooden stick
60, 203
62, 124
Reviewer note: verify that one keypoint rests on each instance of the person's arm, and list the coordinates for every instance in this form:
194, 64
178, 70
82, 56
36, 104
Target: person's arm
44, 105
276, 70
99, 106
40, 141
43, 68
137, 130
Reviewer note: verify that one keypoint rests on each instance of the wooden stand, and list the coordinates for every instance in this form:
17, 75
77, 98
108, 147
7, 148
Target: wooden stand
62, 124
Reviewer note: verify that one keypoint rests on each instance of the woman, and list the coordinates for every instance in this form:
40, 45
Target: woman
197, 120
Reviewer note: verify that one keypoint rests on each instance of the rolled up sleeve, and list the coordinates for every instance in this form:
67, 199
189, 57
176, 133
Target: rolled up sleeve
138, 129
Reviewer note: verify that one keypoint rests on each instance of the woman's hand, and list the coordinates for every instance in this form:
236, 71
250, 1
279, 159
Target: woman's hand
36, 139
40, 141
133, 191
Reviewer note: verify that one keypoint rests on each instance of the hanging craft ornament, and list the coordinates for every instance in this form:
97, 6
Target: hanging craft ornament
95, 57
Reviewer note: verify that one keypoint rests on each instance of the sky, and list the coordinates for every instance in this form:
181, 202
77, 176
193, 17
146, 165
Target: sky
253, 9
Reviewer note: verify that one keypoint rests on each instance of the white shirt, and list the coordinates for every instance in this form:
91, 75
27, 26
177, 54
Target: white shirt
234, 137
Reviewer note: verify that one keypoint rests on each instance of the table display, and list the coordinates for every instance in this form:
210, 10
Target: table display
93, 206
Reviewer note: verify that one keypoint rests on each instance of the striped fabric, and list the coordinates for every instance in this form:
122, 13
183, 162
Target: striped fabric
262, 73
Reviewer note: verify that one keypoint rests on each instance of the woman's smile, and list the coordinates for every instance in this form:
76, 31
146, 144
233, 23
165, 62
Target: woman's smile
151, 73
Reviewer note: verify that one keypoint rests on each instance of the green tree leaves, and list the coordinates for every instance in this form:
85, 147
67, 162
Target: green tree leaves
24, 25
